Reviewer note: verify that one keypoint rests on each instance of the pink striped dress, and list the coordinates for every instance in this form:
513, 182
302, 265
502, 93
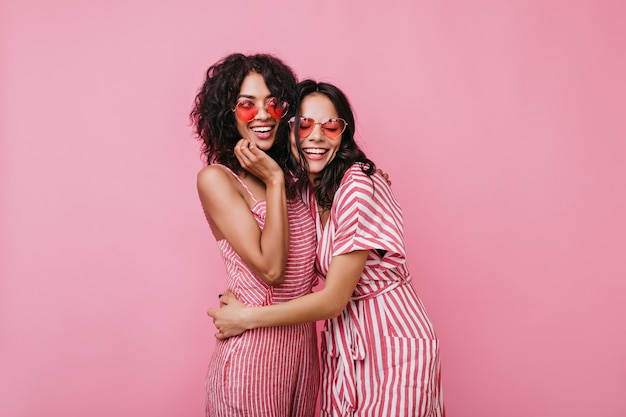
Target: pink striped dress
268, 372
380, 357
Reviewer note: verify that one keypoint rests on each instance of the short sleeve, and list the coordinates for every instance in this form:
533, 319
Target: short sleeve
368, 217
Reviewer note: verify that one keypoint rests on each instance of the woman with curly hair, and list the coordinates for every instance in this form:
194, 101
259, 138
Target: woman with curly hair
380, 354
264, 232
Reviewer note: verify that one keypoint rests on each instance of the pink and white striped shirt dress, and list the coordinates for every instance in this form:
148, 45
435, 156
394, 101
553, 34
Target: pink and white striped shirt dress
274, 371
380, 356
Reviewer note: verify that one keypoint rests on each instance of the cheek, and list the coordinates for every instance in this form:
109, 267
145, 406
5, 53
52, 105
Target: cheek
294, 147
242, 128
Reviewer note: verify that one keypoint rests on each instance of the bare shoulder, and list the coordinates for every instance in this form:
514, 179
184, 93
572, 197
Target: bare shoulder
221, 198
212, 172
216, 185
214, 178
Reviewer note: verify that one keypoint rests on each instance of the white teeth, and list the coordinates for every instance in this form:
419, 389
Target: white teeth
263, 129
314, 151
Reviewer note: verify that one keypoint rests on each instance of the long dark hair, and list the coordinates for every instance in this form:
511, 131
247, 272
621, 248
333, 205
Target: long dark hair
349, 153
214, 121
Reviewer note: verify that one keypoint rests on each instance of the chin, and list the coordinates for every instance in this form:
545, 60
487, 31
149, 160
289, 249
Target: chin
264, 145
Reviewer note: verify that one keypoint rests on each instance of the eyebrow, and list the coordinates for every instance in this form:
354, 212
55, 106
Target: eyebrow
252, 97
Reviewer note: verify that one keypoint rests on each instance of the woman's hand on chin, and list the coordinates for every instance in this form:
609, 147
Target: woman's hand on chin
258, 163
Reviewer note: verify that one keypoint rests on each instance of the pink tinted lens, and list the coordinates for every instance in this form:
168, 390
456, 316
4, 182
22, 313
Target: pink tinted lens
333, 127
330, 127
306, 127
277, 108
246, 110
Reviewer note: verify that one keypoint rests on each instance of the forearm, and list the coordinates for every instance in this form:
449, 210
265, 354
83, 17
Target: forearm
275, 234
342, 277
309, 308
343, 274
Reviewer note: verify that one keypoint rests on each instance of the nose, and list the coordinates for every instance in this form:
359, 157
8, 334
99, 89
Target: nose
262, 113
316, 133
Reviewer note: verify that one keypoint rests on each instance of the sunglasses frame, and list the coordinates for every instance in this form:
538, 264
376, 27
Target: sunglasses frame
267, 107
292, 122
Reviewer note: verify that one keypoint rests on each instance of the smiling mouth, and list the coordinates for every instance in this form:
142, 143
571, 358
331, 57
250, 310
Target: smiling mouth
262, 129
314, 151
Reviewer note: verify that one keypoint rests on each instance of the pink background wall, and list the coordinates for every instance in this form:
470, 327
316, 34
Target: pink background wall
500, 122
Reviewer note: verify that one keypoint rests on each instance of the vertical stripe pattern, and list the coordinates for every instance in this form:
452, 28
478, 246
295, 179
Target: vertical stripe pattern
380, 357
268, 372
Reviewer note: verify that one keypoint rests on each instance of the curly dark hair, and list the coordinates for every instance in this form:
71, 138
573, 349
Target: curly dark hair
214, 121
325, 186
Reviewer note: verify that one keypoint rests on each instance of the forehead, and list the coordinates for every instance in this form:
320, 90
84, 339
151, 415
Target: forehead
254, 86
317, 106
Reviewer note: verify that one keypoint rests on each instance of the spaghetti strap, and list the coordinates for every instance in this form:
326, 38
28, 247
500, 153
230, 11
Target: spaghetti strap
240, 181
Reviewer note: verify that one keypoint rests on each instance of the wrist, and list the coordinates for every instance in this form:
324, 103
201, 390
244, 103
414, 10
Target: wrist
277, 180
248, 318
